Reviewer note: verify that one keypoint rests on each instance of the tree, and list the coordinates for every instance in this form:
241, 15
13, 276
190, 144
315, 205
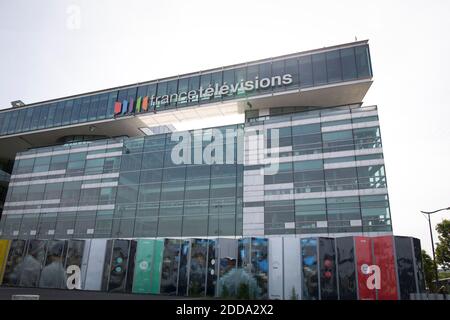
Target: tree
428, 270
294, 295
443, 247
243, 292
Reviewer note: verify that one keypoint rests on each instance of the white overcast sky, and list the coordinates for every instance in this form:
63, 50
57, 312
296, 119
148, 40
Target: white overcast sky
46, 52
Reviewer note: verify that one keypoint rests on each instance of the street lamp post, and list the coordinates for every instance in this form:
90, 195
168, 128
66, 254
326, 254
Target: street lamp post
432, 242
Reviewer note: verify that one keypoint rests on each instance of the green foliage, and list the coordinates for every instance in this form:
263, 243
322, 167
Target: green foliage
294, 295
443, 247
225, 292
243, 292
428, 270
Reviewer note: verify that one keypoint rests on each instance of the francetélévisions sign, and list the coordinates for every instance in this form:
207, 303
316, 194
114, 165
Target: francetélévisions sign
154, 101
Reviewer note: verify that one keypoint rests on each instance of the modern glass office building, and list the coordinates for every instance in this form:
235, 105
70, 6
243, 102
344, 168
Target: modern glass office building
293, 187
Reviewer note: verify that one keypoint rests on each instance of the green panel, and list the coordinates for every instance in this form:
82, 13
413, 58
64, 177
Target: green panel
156, 267
138, 104
142, 268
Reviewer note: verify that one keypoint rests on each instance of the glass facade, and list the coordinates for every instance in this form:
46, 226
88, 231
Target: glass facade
330, 178
122, 188
194, 267
307, 70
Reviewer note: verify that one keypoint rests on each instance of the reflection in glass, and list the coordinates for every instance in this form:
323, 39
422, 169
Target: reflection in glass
211, 277
75, 253
346, 267
119, 266
53, 275
107, 264
227, 267
15, 258
170, 263
246, 283
30, 268
260, 265
197, 275
327, 262
405, 267
419, 265
184, 268
310, 284
130, 267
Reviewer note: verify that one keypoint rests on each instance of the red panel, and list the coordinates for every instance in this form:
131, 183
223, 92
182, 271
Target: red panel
383, 249
363, 252
117, 107
144, 105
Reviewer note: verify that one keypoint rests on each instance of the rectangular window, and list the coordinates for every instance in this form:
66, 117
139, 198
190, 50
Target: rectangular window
319, 69
93, 108
205, 83
20, 120
305, 129
102, 106
228, 79
84, 109
12, 121
291, 67
112, 98
371, 177
183, 86
67, 112
149, 192
363, 62
76, 110
194, 84
348, 64
341, 179
4, 128
239, 77
59, 113
27, 121
2, 116
308, 165
265, 71
334, 71
367, 138
172, 91
35, 117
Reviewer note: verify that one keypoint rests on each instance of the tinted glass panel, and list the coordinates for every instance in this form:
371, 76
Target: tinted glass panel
346, 267
327, 262
169, 271
405, 267
119, 266
11, 275
305, 71
54, 275
198, 268
334, 70
184, 268
30, 269
348, 64
319, 68
310, 285
419, 265
362, 61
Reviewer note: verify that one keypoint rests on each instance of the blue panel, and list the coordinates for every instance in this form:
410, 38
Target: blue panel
124, 106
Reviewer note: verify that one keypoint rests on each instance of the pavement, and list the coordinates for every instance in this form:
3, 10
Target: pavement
6, 293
